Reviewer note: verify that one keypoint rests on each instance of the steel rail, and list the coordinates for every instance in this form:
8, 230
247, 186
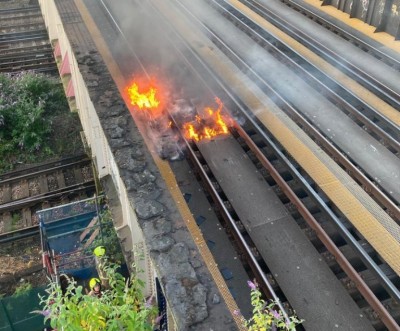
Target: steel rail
43, 168
11, 236
28, 62
365, 291
46, 196
333, 90
347, 35
369, 262
26, 49
365, 79
43, 171
42, 37
32, 55
376, 192
18, 10
255, 266
23, 34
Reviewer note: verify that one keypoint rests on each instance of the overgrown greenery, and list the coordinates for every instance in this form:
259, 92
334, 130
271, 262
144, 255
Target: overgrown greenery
109, 238
22, 289
29, 106
121, 307
266, 317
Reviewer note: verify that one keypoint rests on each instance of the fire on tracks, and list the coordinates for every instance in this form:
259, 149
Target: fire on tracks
177, 131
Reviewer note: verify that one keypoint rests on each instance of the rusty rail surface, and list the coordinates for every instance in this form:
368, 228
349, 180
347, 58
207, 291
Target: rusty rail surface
383, 198
262, 280
369, 296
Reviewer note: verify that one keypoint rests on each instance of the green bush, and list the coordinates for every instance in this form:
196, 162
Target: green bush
22, 289
28, 102
109, 238
121, 307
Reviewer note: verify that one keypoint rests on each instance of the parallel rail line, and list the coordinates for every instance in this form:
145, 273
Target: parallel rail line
365, 257
373, 50
24, 42
265, 279
32, 201
26, 190
378, 194
365, 79
41, 169
12, 236
366, 116
342, 231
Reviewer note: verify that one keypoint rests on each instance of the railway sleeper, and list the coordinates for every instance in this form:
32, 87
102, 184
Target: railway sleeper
329, 228
308, 203
392, 307
7, 222
295, 186
60, 179
7, 193
44, 186
371, 280
350, 255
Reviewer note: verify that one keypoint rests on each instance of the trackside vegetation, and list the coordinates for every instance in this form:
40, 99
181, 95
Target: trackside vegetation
35, 121
266, 316
121, 306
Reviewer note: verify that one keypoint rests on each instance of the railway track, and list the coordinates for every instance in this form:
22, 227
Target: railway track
374, 50
344, 249
339, 244
32, 231
17, 13
367, 117
24, 42
350, 68
25, 191
383, 197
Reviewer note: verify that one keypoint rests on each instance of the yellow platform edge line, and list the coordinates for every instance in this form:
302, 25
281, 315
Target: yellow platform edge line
364, 94
166, 172
268, 113
380, 238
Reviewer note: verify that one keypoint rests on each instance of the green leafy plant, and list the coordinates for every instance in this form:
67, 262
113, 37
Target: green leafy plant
22, 289
29, 103
121, 307
266, 317
109, 238
15, 218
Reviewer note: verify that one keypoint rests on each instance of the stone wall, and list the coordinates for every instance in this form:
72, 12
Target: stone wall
146, 218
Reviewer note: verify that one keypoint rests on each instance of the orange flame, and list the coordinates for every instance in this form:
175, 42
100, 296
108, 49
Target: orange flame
143, 100
209, 125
